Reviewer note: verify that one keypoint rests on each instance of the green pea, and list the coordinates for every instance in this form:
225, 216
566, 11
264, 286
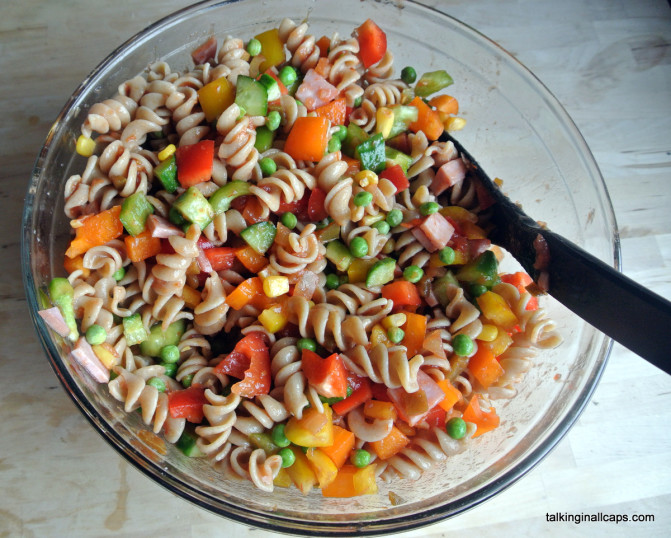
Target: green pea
363, 198
456, 428
394, 217
344, 279
447, 255
341, 133
273, 120
358, 101
96, 335
333, 145
332, 281
169, 354
288, 75
119, 274
408, 75
186, 381
254, 47
478, 289
307, 343
413, 273
268, 166
382, 227
288, 457
157, 383
358, 247
395, 334
428, 208
289, 220
278, 437
170, 369
463, 345
360, 458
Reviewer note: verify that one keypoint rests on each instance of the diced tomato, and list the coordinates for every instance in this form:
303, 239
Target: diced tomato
372, 43
316, 209
436, 417
328, 376
251, 357
205, 52
396, 175
194, 163
187, 404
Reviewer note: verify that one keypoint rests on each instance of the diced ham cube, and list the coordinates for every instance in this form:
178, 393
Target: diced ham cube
55, 320
432, 391
84, 355
448, 175
315, 90
434, 232
478, 246
162, 228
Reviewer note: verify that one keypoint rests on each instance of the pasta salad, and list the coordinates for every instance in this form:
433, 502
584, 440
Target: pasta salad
279, 261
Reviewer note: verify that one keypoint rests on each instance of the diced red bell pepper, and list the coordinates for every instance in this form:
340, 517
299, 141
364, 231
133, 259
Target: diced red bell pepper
521, 280
436, 417
194, 163
360, 395
187, 404
396, 175
250, 353
372, 43
205, 52
221, 258
402, 293
328, 376
316, 210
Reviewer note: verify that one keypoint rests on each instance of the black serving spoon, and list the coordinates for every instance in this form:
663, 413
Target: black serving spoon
630, 314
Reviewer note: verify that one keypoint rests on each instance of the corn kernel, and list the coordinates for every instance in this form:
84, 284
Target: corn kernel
384, 121
85, 146
166, 152
394, 320
488, 333
454, 123
272, 320
366, 178
369, 220
274, 286
378, 335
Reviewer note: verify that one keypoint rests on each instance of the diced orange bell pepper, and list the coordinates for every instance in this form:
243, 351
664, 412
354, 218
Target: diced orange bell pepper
484, 367
343, 443
323, 43
191, 296
452, 394
333, 111
351, 482
415, 332
521, 280
301, 472
76, 264
499, 345
484, 421
392, 444
252, 260
445, 103
96, 230
495, 308
308, 138
428, 120
244, 293
380, 410
314, 429
402, 292
142, 246
323, 467
216, 97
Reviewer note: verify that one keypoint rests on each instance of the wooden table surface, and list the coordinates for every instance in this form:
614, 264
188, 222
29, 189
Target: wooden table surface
607, 61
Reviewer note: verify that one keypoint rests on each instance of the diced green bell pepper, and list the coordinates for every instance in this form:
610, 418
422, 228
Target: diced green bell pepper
187, 443
264, 441
354, 137
194, 207
221, 198
134, 212
264, 139
393, 157
440, 287
371, 153
166, 173
403, 117
259, 236
432, 82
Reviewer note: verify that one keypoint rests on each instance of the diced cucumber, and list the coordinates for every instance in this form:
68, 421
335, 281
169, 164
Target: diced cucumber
259, 236
403, 117
187, 443
482, 270
134, 330
339, 255
271, 86
440, 287
393, 157
157, 339
251, 96
221, 198
432, 82
166, 173
62, 295
371, 153
194, 207
264, 139
134, 212
381, 273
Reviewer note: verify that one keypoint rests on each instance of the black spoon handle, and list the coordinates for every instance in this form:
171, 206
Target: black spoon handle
629, 313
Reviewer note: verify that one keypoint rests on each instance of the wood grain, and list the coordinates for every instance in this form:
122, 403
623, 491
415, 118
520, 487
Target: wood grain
607, 61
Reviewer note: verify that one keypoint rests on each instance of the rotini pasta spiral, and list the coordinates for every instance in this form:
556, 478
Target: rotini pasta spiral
389, 366
237, 149
220, 414
210, 313
302, 46
282, 186
330, 178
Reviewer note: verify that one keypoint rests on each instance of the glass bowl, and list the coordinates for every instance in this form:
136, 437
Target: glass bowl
516, 129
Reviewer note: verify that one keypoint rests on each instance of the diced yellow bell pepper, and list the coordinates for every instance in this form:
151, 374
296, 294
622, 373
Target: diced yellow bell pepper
216, 97
458, 213
314, 429
272, 319
380, 410
282, 480
496, 309
352, 482
85, 146
274, 286
364, 480
473, 231
384, 121
378, 335
323, 467
394, 320
272, 48
358, 269
488, 333
301, 472
454, 123
107, 355
191, 297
